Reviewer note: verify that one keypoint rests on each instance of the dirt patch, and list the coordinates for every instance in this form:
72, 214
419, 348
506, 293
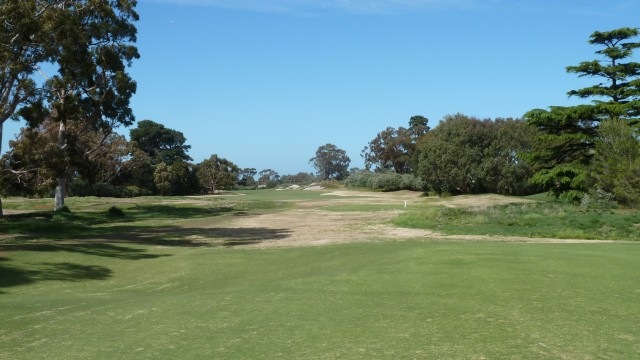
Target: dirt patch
311, 227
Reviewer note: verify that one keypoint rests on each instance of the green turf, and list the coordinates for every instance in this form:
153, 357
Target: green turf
542, 219
358, 301
86, 285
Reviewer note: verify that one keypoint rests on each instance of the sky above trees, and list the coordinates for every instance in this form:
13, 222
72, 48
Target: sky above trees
263, 83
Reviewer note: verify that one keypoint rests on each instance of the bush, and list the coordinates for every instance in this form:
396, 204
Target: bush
598, 199
84, 188
389, 181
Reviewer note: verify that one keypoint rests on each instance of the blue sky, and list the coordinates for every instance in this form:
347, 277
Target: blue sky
263, 83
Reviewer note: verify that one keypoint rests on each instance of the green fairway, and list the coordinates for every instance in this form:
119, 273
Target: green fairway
176, 278
390, 300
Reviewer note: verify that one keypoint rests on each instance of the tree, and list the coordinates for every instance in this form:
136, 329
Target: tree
390, 150
331, 162
418, 125
160, 143
23, 35
563, 154
450, 156
246, 177
268, 177
164, 179
36, 159
90, 43
217, 173
465, 155
393, 149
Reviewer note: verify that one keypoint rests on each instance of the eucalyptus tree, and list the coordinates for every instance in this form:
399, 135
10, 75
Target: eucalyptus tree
216, 173
393, 149
88, 45
331, 162
564, 152
23, 47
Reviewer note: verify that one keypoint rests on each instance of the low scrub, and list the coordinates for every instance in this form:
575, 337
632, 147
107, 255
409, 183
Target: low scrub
388, 181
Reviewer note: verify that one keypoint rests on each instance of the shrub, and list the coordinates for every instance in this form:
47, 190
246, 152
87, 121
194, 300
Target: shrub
598, 199
388, 181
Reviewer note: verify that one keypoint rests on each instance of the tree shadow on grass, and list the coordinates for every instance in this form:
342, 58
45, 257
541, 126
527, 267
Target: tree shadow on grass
64, 271
195, 237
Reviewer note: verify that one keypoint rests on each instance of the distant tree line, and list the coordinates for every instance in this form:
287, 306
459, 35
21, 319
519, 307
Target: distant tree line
582, 153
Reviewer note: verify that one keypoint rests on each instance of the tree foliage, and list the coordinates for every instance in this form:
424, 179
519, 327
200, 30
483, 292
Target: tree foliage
217, 173
465, 155
89, 43
331, 162
160, 143
616, 168
563, 154
393, 149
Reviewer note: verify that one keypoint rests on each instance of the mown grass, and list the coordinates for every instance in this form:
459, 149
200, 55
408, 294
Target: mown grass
85, 285
540, 219
358, 301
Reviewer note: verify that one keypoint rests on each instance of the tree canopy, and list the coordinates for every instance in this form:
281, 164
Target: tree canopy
331, 162
563, 154
393, 149
160, 143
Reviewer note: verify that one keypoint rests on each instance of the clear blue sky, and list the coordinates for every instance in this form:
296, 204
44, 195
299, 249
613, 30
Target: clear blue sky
263, 83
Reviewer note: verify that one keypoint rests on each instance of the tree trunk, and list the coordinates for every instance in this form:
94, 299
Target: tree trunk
61, 188
1, 194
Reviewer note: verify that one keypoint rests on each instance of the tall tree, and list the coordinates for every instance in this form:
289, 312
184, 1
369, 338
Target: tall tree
331, 162
393, 149
160, 143
267, 176
23, 47
246, 177
91, 47
563, 154
217, 173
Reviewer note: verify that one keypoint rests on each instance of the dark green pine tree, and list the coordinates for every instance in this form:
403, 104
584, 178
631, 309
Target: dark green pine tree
564, 152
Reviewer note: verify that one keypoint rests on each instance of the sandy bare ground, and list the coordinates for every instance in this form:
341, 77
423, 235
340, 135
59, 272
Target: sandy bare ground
306, 225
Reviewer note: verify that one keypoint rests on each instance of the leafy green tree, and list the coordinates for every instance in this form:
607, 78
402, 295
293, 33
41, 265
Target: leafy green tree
563, 154
25, 45
451, 155
90, 44
217, 173
268, 177
465, 155
246, 177
164, 179
331, 162
393, 149
390, 150
160, 143
418, 125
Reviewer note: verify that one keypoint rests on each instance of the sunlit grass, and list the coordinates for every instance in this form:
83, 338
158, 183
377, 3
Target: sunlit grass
546, 219
356, 301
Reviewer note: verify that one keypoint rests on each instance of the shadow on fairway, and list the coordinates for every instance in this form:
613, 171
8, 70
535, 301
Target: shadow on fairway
195, 237
14, 276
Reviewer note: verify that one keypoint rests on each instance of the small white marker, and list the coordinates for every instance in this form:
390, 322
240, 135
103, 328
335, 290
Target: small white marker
405, 204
